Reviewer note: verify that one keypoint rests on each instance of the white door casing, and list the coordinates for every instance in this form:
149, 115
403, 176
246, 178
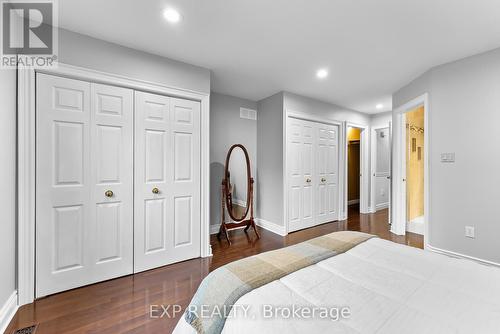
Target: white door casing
84, 148
167, 158
312, 160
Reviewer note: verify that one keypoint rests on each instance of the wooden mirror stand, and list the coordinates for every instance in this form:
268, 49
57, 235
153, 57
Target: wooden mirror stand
246, 219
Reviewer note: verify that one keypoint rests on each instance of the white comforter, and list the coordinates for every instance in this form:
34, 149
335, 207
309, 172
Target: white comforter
389, 288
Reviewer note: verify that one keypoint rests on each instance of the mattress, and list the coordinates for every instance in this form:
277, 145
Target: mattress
386, 287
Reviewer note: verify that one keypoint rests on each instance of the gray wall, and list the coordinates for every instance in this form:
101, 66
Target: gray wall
463, 118
306, 105
270, 159
81, 50
314, 107
226, 129
84, 51
8, 185
270, 145
382, 119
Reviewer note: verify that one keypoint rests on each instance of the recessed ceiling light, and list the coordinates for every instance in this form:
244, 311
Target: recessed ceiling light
322, 73
379, 106
171, 15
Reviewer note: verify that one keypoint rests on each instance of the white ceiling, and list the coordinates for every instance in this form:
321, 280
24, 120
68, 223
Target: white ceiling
256, 48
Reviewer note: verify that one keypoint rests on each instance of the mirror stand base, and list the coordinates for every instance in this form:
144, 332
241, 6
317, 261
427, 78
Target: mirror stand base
226, 227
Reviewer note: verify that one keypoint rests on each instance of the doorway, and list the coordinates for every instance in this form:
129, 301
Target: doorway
381, 168
353, 167
356, 169
415, 128
410, 208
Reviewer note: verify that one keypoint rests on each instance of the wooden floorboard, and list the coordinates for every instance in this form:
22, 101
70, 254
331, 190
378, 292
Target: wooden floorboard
122, 305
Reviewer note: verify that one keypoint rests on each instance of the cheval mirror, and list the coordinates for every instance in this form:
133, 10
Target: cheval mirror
237, 192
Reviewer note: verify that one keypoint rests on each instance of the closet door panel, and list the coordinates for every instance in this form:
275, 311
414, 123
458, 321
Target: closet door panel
167, 223
301, 169
153, 174
84, 148
327, 172
112, 171
185, 120
63, 258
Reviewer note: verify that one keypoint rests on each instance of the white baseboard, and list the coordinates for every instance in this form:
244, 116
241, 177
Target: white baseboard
214, 229
210, 254
271, 227
416, 225
460, 256
353, 201
8, 311
382, 206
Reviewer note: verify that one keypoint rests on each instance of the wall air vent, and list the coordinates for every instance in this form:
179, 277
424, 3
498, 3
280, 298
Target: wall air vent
248, 114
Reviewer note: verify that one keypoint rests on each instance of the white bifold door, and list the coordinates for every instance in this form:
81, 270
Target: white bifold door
84, 175
312, 173
117, 182
167, 179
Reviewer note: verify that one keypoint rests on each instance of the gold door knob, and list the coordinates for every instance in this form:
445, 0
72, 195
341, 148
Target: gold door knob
308, 180
108, 193
155, 190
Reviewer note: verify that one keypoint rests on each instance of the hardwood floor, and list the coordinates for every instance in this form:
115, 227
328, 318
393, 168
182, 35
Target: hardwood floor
123, 305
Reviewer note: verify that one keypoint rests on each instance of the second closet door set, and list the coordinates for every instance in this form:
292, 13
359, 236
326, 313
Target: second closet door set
117, 182
312, 163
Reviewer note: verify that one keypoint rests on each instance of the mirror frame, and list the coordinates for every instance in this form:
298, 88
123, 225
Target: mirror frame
226, 183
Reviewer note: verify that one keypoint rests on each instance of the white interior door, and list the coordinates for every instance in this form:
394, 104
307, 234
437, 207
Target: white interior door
301, 174
167, 179
84, 149
382, 168
327, 165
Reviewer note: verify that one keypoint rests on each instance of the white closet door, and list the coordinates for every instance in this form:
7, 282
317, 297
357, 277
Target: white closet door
301, 174
327, 173
167, 180
84, 145
112, 158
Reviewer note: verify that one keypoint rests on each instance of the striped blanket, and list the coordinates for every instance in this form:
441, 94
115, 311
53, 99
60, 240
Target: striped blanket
225, 285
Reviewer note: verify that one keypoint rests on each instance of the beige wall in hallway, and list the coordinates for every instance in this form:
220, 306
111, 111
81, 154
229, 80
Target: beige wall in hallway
414, 165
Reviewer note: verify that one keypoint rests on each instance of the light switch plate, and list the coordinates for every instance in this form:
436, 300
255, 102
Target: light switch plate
470, 232
447, 157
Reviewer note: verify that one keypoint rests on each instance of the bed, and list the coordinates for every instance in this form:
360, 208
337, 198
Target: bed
387, 287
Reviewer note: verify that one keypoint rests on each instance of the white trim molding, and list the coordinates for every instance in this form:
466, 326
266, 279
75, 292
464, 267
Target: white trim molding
8, 311
214, 229
26, 159
460, 256
271, 227
416, 225
381, 206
